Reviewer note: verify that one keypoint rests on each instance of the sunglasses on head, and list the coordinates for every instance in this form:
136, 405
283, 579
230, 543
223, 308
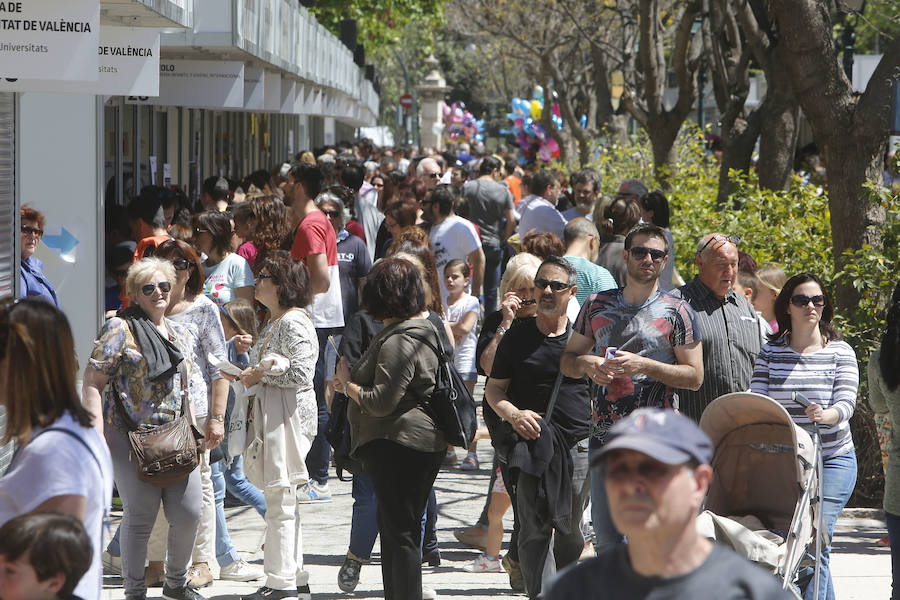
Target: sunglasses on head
721, 239
32, 231
556, 286
639, 252
801, 300
164, 286
181, 264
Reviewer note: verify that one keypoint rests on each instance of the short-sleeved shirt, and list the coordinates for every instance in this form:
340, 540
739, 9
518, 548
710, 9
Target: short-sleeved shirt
453, 238
209, 337
116, 355
464, 355
55, 464
539, 216
226, 276
353, 264
723, 575
488, 203
652, 329
530, 360
315, 235
592, 278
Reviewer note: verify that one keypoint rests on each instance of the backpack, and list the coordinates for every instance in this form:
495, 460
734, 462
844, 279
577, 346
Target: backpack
451, 405
337, 432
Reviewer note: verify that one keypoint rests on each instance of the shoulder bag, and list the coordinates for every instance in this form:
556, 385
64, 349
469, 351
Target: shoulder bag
164, 454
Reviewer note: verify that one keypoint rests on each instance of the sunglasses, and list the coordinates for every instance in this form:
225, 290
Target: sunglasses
556, 286
334, 214
32, 231
164, 286
801, 300
181, 264
639, 252
265, 276
734, 239
433, 175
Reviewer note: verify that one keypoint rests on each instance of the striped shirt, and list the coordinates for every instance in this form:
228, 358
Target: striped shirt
829, 377
731, 340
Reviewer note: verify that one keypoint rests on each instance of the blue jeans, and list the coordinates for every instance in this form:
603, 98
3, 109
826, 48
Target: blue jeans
320, 453
493, 259
238, 486
225, 551
838, 481
605, 532
893, 526
364, 522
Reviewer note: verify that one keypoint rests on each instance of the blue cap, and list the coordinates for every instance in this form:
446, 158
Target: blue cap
664, 435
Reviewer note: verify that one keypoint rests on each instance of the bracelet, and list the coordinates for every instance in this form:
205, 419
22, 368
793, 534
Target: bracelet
219, 418
501, 330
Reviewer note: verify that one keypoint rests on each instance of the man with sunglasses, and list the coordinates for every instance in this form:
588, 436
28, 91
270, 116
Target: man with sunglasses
656, 468
726, 321
637, 344
547, 501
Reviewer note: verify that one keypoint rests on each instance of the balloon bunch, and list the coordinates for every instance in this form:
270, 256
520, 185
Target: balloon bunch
460, 125
532, 136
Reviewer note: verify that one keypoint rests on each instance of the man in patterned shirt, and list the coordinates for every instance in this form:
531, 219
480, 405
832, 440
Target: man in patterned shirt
637, 343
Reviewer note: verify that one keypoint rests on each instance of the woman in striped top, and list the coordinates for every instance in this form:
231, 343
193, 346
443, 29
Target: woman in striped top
808, 356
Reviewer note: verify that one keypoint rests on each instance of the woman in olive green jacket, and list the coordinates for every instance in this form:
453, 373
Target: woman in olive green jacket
396, 439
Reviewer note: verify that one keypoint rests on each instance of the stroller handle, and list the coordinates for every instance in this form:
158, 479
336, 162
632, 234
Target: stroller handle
800, 399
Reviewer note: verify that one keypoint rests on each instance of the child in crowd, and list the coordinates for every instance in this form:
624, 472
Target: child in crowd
43, 556
489, 560
771, 279
463, 312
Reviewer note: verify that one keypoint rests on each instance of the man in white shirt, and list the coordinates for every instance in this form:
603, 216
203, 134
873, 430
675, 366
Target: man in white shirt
452, 237
537, 212
585, 186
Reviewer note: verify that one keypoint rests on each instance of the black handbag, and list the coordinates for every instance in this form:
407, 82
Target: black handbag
451, 405
164, 454
337, 432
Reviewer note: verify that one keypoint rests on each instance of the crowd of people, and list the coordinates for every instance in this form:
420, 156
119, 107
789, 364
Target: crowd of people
339, 280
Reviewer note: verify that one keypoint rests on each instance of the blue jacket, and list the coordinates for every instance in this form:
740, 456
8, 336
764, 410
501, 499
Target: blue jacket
33, 282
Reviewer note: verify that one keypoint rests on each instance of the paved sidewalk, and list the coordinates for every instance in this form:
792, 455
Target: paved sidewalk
861, 570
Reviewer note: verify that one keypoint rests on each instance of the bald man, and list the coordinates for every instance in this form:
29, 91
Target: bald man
727, 322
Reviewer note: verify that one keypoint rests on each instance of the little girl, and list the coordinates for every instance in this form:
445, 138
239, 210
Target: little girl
463, 314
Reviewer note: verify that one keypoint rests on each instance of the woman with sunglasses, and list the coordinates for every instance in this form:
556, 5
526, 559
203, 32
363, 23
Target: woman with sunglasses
31, 270
808, 356
142, 354
188, 305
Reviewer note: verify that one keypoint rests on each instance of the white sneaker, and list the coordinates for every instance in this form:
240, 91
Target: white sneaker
428, 593
483, 564
240, 570
313, 492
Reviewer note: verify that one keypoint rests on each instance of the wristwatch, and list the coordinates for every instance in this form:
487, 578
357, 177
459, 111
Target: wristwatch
501, 330
219, 418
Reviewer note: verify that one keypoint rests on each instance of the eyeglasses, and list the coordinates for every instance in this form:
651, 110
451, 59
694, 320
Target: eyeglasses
265, 276
32, 231
801, 300
433, 175
639, 252
378, 185
164, 286
198, 231
724, 239
556, 286
181, 264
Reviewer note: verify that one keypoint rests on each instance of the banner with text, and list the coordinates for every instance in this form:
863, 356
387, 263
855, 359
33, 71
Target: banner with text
129, 65
49, 39
198, 84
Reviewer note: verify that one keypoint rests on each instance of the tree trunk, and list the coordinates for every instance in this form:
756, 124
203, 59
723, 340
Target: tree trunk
738, 142
780, 126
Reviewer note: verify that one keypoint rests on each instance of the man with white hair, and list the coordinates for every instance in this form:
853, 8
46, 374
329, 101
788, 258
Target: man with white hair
429, 171
657, 473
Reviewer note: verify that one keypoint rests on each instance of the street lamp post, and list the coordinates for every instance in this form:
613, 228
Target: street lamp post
848, 37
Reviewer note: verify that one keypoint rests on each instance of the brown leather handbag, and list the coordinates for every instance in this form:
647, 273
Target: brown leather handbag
165, 454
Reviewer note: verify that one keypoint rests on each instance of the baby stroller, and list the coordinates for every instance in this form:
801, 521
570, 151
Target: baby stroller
764, 497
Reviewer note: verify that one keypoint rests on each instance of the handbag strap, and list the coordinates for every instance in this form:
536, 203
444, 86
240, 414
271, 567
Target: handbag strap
556, 384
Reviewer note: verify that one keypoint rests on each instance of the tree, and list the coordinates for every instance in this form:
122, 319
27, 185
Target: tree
736, 34
851, 130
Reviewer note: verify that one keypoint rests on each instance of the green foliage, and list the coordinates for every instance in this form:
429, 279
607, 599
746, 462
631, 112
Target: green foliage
378, 21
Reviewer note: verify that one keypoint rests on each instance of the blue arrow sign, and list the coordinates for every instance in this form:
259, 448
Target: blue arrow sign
65, 242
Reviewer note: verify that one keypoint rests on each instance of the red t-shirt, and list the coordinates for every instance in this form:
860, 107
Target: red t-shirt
315, 235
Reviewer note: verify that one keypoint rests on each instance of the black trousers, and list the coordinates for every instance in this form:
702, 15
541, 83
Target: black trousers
402, 478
